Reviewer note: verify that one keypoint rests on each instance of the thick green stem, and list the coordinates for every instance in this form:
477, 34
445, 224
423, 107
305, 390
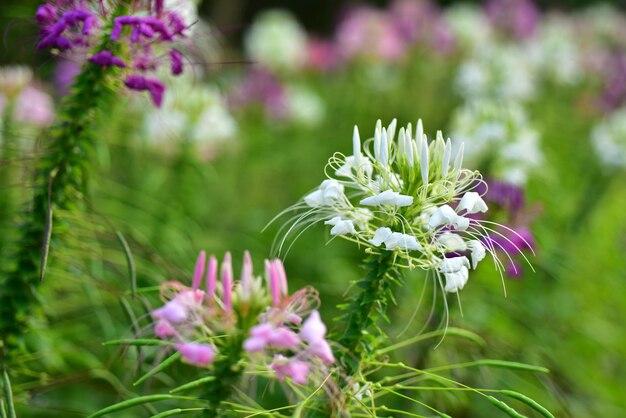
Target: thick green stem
60, 182
227, 371
369, 305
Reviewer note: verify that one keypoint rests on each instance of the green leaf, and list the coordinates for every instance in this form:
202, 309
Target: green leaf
130, 403
160, 367
193, 384
168, 413
528, 401
8, 395
512, 365
137, 341
132, 273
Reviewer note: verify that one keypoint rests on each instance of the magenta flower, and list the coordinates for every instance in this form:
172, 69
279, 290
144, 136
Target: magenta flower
196, 354
144, 35
371, 34
518, 18
296, 369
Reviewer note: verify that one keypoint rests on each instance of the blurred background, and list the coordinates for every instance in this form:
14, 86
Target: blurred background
536, 91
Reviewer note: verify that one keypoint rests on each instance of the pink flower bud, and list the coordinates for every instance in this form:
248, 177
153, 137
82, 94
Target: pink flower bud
211, 278
274, 283
246, 275
196, 354
227, 282
198, 271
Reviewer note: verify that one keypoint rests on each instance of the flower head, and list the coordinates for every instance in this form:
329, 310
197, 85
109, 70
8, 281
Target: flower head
406, 195
258, 311
137, 39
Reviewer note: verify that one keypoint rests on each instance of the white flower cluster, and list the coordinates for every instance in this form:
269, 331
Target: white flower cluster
191, 112
277, 41
402, 194
500, 135
497, 72
556, 53
609, 139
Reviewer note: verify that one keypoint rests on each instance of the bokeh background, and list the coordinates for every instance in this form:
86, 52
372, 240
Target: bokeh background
252, 132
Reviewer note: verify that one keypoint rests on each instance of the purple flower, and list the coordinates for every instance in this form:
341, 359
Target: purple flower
176, 58
64, 73
314, 333
519, 18
296, 369
260, 87
370, 33
196, 354
107, 59
74, 27
152, 85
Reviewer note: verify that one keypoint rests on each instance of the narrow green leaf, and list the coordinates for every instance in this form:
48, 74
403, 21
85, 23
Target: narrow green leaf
193, 384
160, 367
8, 395
506, 408
168, 413
137, 341
3, 410
528, 401
130, 403
512, 365
130, 262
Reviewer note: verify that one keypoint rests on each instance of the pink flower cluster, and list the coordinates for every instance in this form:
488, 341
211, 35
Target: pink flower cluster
191, 317
74, 27
24, 98
385, 35
276, 338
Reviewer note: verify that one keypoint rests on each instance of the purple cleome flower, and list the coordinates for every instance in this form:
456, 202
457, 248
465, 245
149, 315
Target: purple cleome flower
73, 27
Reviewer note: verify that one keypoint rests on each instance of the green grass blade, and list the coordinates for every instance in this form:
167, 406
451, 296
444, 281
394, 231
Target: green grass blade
193, 384
130, 403
8, 395
160, 367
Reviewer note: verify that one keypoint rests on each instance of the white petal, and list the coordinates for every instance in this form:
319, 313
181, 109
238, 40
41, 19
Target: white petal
356, 144
478, 252
472, 203
314, 199
424, 161
452, 242
453, 264
343, 227
456, 281
333, 221
404, 241
444, 215
384, 148
380, 235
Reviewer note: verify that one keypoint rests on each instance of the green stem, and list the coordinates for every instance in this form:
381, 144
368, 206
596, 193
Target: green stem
227, 371
369, 305
60, 182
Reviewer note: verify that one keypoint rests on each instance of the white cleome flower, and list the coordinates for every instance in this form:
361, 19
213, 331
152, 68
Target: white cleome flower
456, 272
500, 136
397, 193
609, 140
277, 41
